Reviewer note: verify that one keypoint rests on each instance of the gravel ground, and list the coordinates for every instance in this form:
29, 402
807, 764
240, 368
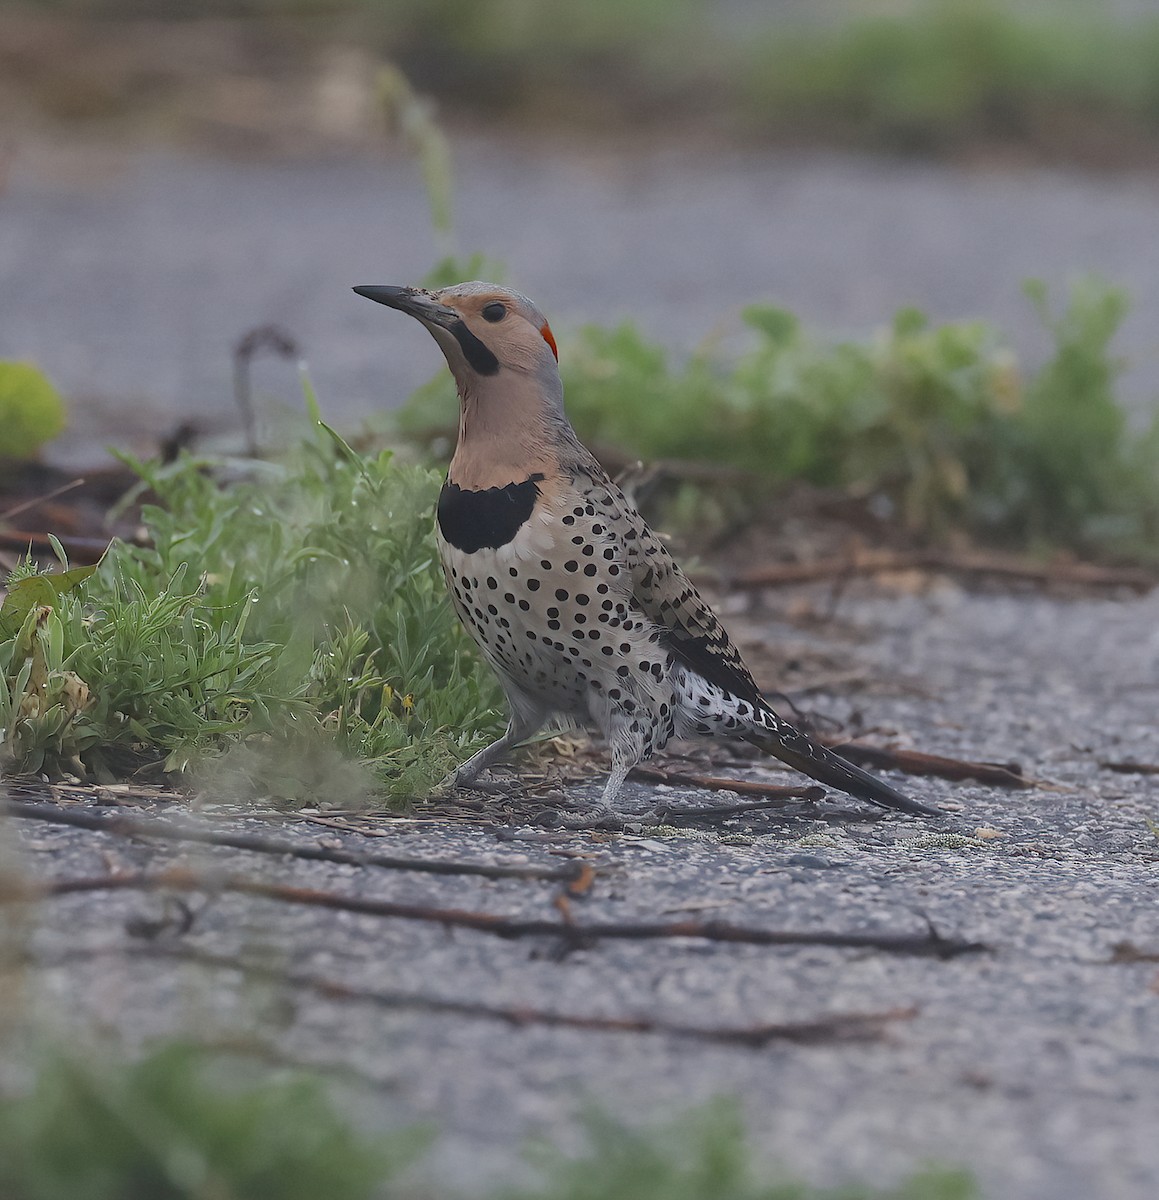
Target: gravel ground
1035, 1063
129, 275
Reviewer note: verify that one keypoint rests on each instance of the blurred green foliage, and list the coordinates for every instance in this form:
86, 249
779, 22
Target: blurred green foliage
31, 410
164, 1128
944, 72
930, 75
302, 608
175, 1125
926, 76
704, 1156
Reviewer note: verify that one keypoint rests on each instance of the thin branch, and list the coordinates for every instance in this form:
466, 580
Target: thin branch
914, 762
34, 501
171, 831
769, 792
837, 682
272, 339
1130, 768
182, 879
1128, 952
911, 762
873, 562
831, 1027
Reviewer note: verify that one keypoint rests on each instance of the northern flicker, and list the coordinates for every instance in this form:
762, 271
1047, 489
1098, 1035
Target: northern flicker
573, 600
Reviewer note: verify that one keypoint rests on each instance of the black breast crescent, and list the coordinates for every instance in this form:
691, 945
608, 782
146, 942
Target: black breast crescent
485, 519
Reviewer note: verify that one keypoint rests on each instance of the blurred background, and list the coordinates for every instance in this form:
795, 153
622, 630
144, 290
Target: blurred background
176, 173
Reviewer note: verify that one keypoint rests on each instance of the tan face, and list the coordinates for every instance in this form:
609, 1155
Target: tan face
482, 328
504, 323
502, 354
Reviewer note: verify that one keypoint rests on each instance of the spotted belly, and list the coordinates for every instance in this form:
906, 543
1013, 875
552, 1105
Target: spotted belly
556, 622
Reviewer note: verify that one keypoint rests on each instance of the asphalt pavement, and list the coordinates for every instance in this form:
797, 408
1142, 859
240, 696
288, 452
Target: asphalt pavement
1033, 1061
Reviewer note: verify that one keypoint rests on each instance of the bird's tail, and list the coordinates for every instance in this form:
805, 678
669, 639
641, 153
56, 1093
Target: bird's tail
790, 745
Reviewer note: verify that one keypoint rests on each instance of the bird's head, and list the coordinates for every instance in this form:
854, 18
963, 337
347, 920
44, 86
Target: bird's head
502, 354
483, 329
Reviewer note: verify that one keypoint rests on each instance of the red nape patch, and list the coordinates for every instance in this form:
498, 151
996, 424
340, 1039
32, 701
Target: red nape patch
545, 329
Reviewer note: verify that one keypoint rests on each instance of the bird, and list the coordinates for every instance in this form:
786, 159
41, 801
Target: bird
578, 607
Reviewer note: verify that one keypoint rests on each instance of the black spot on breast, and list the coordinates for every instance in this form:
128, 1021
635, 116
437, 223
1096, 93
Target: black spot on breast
474, 520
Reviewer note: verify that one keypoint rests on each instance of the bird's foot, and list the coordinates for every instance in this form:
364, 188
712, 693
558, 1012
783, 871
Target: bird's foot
446, 787
600, 819
458, 781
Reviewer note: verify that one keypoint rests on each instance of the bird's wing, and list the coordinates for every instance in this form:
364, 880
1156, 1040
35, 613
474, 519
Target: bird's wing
666, 596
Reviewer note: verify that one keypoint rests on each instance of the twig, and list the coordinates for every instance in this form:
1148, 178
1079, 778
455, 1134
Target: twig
1128, 952
914, 762
271, 338
710, 812
831, 1027
872, 562
769, 792
182, 879
1130, 768
170, 831
25, 505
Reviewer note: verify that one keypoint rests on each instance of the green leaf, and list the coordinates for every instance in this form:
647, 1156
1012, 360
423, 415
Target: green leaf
777, 324
34, 591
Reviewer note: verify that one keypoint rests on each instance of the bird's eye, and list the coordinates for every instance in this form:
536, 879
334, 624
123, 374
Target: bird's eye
495, 311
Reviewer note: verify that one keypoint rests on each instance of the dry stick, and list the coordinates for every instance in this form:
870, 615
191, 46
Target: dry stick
1130, 768
830, 1027
839, 681
873, 562
677, 812
770, 792
271, 338
915, 762
930, 944
25, 505
133, 827
911, 762
1128, 952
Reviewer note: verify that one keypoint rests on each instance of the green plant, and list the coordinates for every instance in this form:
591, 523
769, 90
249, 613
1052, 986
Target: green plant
1083, 471
178, 1125
31, 410
413, 116
945, 72
303, 606
167, 1128
40, 700
704, 1156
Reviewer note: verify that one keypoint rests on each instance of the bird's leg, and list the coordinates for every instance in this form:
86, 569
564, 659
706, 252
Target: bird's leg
627, 750
622, 763
626, 753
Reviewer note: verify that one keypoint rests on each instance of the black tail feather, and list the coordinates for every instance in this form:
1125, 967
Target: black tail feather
791, 746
